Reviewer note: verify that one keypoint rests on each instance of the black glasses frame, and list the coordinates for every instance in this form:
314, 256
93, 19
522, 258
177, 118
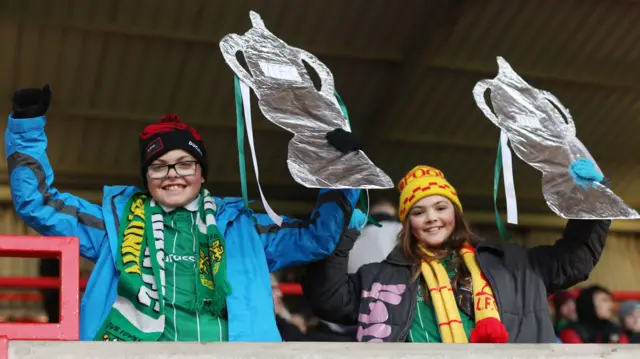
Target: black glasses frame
169, 167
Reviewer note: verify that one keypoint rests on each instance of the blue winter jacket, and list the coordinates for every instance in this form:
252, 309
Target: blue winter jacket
255, 245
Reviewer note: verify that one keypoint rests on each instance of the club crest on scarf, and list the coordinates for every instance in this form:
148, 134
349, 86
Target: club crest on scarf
205, 263
209, 263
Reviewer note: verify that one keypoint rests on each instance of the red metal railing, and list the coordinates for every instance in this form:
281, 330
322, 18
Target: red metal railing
54, 282
68, 250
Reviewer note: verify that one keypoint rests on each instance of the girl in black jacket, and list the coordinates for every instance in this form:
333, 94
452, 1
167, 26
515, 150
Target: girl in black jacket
443, 284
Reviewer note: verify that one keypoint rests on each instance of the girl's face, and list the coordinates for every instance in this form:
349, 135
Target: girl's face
181, 184
603, 305
432, 220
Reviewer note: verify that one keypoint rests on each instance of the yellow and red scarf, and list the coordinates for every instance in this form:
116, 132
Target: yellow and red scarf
488, 328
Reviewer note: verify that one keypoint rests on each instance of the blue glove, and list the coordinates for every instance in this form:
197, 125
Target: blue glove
358, 220
584, 173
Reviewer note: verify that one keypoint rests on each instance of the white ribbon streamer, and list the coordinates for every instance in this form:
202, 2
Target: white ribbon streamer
509, 184
246, 104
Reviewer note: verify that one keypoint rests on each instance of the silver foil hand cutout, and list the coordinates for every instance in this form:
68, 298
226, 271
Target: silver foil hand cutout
542, 133
287, 97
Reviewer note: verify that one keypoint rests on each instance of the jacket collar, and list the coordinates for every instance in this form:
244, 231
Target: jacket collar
397, 257
191, 206
495, 246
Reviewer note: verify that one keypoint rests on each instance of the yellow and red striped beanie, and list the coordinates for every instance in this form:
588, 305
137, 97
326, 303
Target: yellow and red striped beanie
424, 181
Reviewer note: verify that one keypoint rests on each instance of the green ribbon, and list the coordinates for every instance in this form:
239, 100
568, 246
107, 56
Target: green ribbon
343, 107
502, 229
240, 127
240, 130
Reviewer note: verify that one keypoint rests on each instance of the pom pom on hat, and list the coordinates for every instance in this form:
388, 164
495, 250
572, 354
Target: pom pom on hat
168, 134
171, 117
169, 122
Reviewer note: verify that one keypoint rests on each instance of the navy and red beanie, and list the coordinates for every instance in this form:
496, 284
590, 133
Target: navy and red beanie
167, 135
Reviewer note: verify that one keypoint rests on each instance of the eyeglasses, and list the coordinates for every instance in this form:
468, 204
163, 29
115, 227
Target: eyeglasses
182, 169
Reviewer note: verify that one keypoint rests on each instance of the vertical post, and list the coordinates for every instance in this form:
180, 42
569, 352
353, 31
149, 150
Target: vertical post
4, 347
70, 290
68, 248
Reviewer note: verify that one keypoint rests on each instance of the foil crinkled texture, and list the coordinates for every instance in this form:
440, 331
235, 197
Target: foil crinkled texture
288, 98
542, 134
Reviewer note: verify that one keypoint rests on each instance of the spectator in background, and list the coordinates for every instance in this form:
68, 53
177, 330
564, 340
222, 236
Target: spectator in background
564, 304
292, 327
629, 314
296, 327
375, 243
595, 320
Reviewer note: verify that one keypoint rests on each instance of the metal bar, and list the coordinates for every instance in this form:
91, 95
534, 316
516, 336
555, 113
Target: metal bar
54, 282
68, 249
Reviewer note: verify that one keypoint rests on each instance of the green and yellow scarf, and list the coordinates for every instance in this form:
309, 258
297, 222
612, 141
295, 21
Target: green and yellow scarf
138, 312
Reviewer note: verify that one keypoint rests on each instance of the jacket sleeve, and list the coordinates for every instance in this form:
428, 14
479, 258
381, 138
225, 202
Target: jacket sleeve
297, 241
571, 259
332, 293
37, 202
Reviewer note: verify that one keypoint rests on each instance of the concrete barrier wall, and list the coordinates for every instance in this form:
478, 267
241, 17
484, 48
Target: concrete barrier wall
99, 350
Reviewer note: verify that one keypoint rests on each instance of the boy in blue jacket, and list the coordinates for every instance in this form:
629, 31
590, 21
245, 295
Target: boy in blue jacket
172, 262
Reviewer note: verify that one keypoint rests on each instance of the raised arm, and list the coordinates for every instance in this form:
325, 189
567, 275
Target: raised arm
571, 259
301, 241
37, 202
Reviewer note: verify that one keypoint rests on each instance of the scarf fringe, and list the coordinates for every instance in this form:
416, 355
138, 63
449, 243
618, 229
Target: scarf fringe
218, 305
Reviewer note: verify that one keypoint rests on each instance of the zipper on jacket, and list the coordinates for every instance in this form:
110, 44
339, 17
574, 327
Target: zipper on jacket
412, 312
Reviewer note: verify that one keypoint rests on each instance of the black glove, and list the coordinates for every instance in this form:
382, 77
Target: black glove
31, 102
343, 141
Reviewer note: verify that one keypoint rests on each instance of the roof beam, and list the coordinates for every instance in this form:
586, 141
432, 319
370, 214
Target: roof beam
475, 69
618, 153
431, 140
621, 155
213, 39
147, 118
430, 34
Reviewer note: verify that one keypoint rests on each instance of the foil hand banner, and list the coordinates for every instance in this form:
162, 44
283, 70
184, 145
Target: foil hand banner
287, 97
542, 133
